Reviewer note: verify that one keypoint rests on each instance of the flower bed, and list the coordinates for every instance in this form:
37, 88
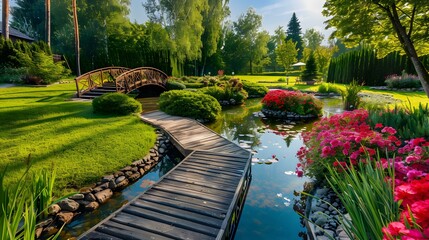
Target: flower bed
287, 104
346, 140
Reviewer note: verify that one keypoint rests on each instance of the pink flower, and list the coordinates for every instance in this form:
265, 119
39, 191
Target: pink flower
395, 229
388, 130
378, 125
299, 173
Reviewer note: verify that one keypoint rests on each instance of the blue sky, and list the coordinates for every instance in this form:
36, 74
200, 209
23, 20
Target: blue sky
274, 12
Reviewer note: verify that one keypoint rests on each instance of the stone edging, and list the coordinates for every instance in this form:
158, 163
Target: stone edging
89, 198
324, 211
285, 115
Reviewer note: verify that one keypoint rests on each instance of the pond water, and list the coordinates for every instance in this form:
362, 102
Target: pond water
269, 208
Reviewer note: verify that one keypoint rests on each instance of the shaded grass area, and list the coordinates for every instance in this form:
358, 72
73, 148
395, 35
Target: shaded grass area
82, 145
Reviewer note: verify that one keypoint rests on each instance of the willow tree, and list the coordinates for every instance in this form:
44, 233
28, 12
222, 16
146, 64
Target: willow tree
388, 25
183, 20
213, 17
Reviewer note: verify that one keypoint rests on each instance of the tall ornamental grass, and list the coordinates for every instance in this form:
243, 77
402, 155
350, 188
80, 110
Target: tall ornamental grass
367, 197
23, 203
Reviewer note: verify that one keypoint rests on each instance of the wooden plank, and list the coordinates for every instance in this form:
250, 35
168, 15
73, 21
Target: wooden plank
205, 153
158, 227
220, 159
200, 179
99, 235
212, 169
122, 231
171, 220
228, 188
205, 144
198, 138
198, 188
192, 193
208, 208
177, 212
218, 163
195, 177
209, 174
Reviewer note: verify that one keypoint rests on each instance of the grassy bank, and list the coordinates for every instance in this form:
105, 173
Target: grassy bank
81, 145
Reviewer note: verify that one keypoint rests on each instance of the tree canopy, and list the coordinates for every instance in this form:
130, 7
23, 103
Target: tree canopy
388, 25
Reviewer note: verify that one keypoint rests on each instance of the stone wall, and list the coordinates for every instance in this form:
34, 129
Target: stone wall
89, 198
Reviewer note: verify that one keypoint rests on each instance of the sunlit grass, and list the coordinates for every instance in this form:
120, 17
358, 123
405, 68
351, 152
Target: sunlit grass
272, 81
81, 145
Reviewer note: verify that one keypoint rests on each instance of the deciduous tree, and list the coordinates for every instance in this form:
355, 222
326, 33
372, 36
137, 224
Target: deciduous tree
286, 54
313, 38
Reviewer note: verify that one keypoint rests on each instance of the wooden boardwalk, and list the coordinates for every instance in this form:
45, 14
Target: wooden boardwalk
201, 198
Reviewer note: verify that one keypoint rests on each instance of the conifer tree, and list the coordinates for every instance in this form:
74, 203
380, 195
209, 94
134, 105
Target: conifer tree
294, 32
310, 71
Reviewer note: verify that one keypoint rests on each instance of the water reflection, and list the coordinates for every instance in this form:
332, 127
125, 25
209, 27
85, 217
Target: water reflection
269, 208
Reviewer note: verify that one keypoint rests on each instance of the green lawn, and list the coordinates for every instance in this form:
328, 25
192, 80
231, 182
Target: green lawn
82, 146
268, 81
271, 81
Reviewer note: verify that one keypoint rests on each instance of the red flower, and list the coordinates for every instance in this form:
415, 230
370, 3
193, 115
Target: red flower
378, 125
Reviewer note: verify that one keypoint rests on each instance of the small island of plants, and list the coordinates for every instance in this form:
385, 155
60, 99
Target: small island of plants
291, 104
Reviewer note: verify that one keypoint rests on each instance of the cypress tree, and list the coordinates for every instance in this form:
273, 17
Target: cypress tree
294, 32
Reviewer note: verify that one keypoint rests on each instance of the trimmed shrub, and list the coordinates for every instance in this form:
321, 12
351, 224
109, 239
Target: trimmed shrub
254, 90
194, 85
291, 101
116, 104
404, 81
190, 104
281, 80
174, 85
328, 88
231, 92
12, 75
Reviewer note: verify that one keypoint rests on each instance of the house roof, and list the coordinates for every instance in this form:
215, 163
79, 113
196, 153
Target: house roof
17, 34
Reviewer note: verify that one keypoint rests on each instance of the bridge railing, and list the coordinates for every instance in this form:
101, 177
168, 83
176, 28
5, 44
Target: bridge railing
139, 77
93, 79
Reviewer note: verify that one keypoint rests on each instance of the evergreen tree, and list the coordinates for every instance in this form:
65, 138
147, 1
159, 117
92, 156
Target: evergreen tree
294, 33
310, 71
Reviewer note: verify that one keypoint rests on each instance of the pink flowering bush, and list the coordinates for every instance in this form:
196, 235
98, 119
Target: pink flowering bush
292, 101
412, 190
344, 137
346, 140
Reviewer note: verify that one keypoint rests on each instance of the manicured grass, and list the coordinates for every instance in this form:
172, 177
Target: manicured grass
271, 81
81, 145
268, 80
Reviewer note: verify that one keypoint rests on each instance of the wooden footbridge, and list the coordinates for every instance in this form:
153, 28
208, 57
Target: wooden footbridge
117, 79
201, 198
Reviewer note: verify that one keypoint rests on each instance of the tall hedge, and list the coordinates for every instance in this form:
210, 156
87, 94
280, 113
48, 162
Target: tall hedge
363, 66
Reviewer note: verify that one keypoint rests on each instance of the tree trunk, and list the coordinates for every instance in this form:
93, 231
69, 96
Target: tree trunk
409, 48
76, 38
251, 67
48, 22
5, 19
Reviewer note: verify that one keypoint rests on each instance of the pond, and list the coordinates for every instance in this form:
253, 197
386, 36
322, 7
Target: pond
269, 208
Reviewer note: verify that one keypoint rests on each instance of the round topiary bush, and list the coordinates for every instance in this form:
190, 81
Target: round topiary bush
285, 104
190, 104
254, 90
116, 104
174, 85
